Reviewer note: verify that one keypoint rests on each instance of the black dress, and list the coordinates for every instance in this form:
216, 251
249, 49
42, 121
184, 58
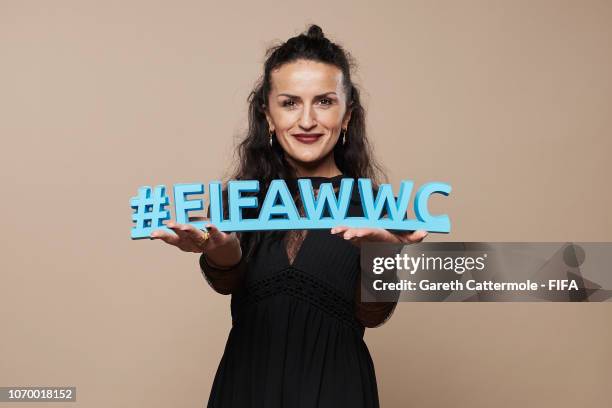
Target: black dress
295, 340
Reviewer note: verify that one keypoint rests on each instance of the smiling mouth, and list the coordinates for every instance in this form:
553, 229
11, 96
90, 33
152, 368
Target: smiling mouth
307, 137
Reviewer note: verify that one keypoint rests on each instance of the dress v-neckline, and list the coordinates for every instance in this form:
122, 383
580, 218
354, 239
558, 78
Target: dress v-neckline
299, 251
316, 183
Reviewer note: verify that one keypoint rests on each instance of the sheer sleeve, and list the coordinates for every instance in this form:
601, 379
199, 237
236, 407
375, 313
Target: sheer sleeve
372, 314
223, 280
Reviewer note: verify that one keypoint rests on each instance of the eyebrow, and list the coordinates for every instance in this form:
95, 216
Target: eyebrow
316, 96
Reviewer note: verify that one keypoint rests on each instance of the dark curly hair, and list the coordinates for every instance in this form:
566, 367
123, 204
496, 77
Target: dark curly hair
258, 160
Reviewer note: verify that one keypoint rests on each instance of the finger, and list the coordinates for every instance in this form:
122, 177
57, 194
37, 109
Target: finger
212, 230
215, 233
192, 239
417, 236
358, 233
185, 241
198, 237
167, 237
362, 232
351, 233
179, 230
339, 229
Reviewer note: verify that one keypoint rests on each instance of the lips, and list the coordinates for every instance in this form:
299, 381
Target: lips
307, 138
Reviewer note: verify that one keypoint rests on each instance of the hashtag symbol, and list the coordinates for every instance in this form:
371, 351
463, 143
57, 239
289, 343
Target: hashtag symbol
150, 211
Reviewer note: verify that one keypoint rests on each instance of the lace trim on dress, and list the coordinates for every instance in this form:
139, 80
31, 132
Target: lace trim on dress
294, 282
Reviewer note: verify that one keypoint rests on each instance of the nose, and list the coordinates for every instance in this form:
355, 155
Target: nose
307, 120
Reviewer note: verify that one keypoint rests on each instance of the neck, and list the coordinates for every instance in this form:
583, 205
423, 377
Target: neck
326, 168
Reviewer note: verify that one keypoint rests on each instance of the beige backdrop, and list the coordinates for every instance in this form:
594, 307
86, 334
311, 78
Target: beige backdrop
508, 101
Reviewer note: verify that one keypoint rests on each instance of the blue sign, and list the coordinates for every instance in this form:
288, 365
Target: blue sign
150, 207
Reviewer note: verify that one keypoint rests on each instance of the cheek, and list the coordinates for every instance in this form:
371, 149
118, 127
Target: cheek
331, 118
284, 119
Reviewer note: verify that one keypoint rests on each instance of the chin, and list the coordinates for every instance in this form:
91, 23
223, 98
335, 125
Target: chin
307, 157
307, 161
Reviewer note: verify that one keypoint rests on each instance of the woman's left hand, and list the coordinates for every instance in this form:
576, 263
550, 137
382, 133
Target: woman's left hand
359, 235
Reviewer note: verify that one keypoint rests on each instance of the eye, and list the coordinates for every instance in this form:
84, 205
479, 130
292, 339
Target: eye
288, 103
326, 102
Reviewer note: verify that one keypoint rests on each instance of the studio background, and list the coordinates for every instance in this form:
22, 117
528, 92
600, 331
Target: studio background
508, 101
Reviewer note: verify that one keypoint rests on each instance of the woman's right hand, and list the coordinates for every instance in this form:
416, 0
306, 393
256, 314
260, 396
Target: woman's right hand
222, 248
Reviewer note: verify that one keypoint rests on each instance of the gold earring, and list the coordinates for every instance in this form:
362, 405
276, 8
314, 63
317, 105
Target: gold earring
271, 132
343, 133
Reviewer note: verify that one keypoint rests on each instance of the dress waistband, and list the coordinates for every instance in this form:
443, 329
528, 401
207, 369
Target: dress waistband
303, 286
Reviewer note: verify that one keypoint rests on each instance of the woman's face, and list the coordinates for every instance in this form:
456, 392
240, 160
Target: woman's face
307, 110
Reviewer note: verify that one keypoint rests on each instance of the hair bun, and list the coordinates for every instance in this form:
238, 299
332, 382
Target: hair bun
314, 31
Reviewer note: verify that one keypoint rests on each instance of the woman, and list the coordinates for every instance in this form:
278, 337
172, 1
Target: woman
298, 323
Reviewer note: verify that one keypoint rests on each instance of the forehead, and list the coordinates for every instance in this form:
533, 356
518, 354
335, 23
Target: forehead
306, 77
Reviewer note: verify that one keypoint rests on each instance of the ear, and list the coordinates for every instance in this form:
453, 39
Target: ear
268, 118
347, 118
